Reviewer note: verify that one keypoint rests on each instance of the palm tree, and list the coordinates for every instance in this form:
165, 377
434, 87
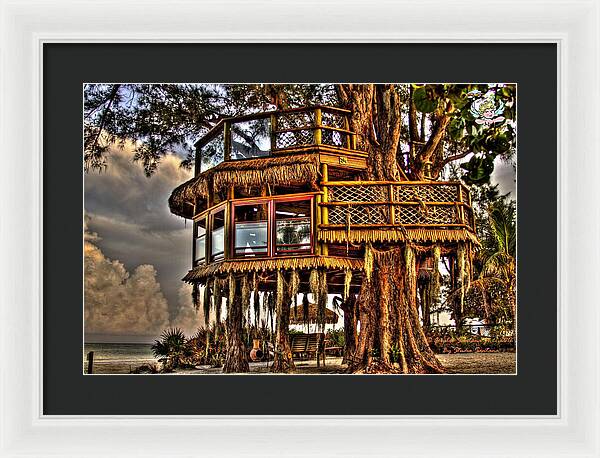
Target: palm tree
172, 348
499, 262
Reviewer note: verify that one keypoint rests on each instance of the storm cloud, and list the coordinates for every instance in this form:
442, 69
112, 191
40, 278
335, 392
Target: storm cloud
139, 239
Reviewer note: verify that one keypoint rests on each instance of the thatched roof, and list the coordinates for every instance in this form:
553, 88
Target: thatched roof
297, 315
274, 170
201, 273
397, 235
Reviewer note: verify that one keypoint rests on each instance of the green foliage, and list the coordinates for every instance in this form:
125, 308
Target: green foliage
336, 337
163, 118
171, 348
478, 169
425, 99
394, 353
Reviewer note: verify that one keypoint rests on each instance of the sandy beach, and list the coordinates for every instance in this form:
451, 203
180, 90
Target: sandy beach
456, 363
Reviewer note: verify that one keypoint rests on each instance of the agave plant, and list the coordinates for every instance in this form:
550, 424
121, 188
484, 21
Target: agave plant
171, 348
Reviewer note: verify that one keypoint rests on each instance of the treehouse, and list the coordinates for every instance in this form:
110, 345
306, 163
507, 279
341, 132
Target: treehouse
287, 191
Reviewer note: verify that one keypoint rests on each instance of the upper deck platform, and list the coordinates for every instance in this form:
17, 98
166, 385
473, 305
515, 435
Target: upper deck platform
282, 132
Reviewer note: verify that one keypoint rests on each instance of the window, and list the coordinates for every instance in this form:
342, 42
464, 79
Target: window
217, 241
212, 153
251, 230
292, 226
200, 241
250, 139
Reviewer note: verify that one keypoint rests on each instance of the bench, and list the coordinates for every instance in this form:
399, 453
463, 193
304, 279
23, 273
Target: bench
306, 345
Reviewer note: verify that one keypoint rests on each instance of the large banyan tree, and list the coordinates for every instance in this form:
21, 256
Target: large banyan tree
321, 190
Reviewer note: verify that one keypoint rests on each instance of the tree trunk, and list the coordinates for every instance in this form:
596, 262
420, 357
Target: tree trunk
350, 321
389, 319
282, 361
390, 326
425, 301
377, 120
236, 360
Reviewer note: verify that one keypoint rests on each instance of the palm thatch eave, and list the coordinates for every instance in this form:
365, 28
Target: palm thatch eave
274, 170
201, 274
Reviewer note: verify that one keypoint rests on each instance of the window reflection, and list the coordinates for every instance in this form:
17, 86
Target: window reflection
200, 242
292, 226
218, 236
250, 139
251, 230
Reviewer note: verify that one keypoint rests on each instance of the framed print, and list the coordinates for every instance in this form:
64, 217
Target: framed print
358, 233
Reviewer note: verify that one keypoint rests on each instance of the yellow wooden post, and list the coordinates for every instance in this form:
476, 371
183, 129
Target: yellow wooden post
325, 178
227, 235
392, 206
348, 136
273, 134
462, 208
325, 199
318, 221
318, 119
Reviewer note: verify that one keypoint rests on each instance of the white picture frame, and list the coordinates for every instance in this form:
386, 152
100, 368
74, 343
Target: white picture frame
27, 25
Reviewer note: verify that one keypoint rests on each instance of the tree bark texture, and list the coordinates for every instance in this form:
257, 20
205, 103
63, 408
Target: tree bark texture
282, 361
376, 119
391, 338
349, 307
236, 359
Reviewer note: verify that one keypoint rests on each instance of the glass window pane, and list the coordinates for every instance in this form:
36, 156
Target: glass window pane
213, 153
292, 226
251, 237
200, 249
250, 138
218, 235
200, 227
200, 241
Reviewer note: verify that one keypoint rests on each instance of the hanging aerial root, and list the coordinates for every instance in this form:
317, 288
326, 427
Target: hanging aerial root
231, 285
322, 300
206, 304
246, 298
218, 298
196, 296
391, 338
256, 299
280, 289
369, 261
313, 284
347, 283
294, 285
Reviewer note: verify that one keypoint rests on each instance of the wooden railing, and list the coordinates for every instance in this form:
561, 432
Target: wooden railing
261, 134
380, 204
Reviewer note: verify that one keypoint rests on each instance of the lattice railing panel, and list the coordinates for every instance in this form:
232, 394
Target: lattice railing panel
425, 193
469, 217
295, 120
333, 120
333, 138
359, 215
360, 193
294, 138
432, 214
439, 204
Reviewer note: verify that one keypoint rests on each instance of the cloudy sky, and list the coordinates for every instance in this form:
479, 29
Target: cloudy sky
136, 251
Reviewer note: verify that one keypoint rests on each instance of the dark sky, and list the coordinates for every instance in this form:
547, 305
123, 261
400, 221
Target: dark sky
137, 251
128, 215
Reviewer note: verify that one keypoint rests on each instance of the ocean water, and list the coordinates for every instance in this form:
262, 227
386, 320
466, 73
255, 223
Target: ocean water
117, 358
